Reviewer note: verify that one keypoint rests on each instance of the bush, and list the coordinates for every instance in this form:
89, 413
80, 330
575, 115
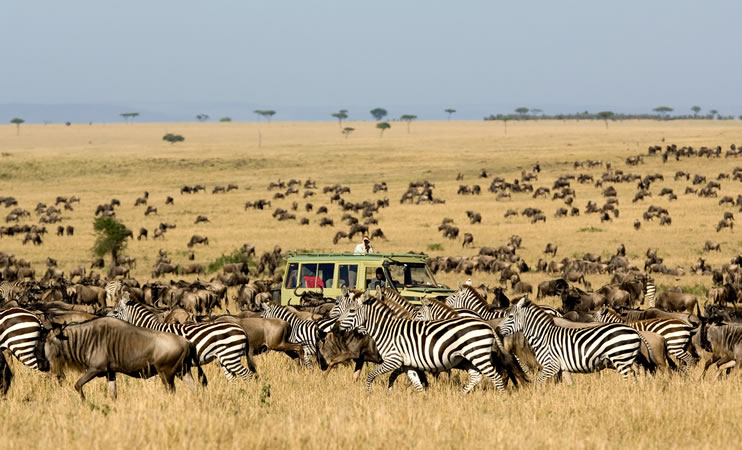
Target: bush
235, 257
435, 247
173, 138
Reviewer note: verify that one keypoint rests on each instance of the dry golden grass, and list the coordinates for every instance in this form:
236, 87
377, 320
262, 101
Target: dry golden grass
103, 161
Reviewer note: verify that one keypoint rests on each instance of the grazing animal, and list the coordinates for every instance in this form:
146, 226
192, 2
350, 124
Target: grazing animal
106, 346
677, 333
408, 344
20, 333
142, 234
579, 350
303, 332
724, 342
468, 240
198, 239
551, 249
676, 301
224, 342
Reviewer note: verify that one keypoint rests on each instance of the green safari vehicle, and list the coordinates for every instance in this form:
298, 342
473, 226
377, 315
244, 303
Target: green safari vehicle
407, 273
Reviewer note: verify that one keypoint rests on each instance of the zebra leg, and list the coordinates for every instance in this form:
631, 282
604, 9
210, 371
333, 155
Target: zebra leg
392, 363
567, 377
233, 366
111, 376
393, 378
548, 371
710, 361
475, 377
309, 353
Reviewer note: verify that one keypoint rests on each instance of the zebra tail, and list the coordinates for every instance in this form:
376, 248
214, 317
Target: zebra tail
505, 364
6, 375
652, 356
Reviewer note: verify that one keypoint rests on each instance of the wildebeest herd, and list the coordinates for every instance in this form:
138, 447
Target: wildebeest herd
111, 323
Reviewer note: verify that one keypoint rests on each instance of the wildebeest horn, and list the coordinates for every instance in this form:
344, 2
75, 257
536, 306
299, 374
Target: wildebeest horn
321, 290
295, 293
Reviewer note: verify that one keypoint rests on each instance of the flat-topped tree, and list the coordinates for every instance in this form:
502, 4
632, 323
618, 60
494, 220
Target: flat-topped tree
696, 109
605, 116
408, 118
449, 111
266, 114
347, 131
713, 113
383, 126
340, 116
17, 121
663, 111
225, 119
202, 117
130, 116
378, 113
522, 111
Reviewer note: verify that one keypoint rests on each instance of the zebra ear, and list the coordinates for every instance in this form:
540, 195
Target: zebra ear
264, 305
458, 283
379, 294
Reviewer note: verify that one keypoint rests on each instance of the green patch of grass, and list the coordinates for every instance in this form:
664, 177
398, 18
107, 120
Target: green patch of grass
435, 247
235, 257
697, 289
590, 230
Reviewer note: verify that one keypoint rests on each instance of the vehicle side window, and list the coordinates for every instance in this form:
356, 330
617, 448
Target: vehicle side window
308, 276
291, 275
371, 276
347, 275
325, 274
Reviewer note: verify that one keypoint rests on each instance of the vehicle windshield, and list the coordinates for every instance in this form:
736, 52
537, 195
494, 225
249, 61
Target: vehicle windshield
411, 275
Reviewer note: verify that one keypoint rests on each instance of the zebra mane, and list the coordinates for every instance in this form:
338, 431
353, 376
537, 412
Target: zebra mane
392, 296
397, 310
444, 307
477, 297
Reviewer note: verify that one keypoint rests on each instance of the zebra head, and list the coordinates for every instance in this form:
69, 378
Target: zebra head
606, 315
515, 321
123, 309
353, 318
345, 301
424, 312
270, 310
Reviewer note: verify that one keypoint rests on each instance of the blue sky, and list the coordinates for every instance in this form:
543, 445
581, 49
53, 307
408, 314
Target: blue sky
309, 58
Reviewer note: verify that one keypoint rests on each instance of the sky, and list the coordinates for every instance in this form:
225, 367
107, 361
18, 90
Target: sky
307, 59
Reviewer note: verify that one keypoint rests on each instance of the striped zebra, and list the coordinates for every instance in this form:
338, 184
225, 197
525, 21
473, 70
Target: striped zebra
431, 309
223, 341
650, 291
578, 350
436, 346
468, 302
20, 333
113, 289
677, 333
9, 290
303, 332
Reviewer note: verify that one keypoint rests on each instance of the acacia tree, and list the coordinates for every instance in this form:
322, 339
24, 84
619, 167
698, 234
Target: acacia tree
663, 111
225, 119
383, 126
267, 114
449, 111
522, 111
605, 116
17, 121
110, 237
536, 111
696, 109
173, 138
202, 117
713, 113
130, 116
408, 118
378, 113
347, 130
340, 116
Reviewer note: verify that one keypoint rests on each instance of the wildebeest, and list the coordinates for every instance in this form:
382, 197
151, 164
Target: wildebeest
198, 239
106, 346
550, 249
468, 240
676, 301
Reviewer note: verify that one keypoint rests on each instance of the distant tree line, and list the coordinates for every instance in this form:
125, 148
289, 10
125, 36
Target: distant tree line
658, 113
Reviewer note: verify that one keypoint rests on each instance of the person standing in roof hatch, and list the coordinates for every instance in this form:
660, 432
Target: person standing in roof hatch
364, 247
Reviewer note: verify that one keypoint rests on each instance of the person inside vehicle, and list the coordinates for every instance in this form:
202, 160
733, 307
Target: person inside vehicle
364, 247
378, 282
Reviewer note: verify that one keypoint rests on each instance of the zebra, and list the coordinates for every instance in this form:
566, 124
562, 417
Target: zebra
580, 350
677, 333
431, 309
113, 288
430, 346
470, 304
650, 291
223, 341
9, 290
303, 332
20, 333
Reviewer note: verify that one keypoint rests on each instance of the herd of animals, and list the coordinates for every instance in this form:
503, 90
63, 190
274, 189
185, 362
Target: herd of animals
109, 323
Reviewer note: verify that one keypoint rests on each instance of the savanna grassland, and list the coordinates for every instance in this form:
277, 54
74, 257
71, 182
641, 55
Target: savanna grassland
307, 409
